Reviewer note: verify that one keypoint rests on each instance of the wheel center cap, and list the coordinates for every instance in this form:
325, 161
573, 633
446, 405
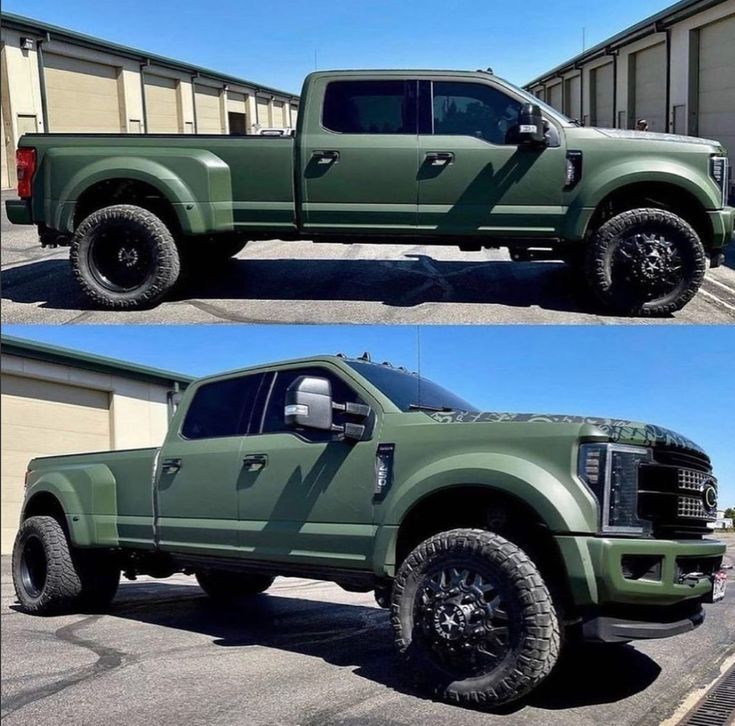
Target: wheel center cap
128, 256
449, 622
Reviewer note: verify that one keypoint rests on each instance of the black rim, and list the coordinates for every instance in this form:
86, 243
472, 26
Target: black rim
120, 258
648, 264
462, 617
33, 566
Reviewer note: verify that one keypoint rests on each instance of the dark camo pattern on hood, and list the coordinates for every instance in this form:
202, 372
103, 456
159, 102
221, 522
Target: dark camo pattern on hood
629, 432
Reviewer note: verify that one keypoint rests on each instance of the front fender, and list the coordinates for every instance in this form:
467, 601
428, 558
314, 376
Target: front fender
88, 496
561, 507
599, 183
195, 181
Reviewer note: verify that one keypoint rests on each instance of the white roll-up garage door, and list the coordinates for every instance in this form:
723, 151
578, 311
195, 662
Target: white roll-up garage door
649, 68
717, 82
264, 116
573, 97
41, 418
81, 96
555, 96
209, 112
162, 105
279, 120
602, 92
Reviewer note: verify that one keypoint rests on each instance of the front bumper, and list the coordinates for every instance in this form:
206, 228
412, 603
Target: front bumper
19, 211
722, 221
595, 567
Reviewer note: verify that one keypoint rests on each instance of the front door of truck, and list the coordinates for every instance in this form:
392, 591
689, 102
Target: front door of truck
307, 496
199, 469
474, 178
358, 167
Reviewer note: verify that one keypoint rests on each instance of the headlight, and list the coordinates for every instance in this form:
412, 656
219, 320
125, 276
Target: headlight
719, 170
611, 473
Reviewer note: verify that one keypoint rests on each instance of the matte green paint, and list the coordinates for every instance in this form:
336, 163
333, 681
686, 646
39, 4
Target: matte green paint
314, 504
381, 184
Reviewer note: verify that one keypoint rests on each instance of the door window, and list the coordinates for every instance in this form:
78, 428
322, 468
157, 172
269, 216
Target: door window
475, 109
370, 107
222, 408
274, 420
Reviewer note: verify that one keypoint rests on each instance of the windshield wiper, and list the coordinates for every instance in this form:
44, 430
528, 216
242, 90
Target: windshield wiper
426, 407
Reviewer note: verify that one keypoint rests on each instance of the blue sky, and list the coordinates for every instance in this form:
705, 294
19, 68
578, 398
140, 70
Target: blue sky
675, 376
274, 42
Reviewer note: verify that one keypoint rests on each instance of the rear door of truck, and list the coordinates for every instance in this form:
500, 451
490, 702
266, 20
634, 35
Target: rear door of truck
358, 155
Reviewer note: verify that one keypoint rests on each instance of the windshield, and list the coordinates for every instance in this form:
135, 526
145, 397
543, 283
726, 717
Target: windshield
409, 391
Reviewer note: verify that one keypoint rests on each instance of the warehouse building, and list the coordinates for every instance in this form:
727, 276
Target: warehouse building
675, 69
60, 401
58, 81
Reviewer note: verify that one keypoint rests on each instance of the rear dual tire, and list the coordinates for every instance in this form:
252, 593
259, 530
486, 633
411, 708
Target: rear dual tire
49, 577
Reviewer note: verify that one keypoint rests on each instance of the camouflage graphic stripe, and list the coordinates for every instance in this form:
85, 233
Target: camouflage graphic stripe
618, 430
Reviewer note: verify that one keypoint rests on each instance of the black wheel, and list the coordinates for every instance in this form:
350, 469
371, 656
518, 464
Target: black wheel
225, 586
645, 262
124, 257
50, 578
473, 618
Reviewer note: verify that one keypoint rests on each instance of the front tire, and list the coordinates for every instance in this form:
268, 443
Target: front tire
124, 257
50, 578
473, 618
645, 262
226, 586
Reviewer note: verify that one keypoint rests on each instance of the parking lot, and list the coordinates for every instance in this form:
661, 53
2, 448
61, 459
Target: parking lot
303, 282
307, 653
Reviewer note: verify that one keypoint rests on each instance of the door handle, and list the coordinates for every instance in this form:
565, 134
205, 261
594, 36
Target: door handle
170, 466
255, 462
325, 156
440, 158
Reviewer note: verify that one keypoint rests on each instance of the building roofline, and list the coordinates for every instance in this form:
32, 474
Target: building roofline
49, 353
38, 27
654, 24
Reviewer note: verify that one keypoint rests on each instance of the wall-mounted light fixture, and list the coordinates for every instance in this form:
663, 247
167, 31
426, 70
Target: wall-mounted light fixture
26, 43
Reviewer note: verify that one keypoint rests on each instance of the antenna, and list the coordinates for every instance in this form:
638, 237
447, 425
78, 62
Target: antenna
418, 363
316, 67
584, 39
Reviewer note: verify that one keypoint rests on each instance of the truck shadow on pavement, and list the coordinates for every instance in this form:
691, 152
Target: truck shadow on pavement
360, 638
405, 282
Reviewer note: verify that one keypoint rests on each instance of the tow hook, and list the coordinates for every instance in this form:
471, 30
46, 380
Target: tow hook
692, 578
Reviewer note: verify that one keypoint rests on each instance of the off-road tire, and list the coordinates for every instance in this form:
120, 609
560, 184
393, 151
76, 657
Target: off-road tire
227, 586
161, 266
614, 295
533, 628
74, 581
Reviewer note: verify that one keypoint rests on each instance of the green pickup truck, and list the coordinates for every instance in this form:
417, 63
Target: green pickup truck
492, 537
430, 157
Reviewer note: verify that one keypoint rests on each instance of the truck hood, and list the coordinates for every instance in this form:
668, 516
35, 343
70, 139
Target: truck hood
619, 431
652, 136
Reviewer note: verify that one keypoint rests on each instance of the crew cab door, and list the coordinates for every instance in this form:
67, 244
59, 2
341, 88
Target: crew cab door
473, 176
358, 165
199, 469
306, 497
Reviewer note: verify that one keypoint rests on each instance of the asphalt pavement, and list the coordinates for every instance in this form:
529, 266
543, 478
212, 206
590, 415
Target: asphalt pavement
304, 282
307, 653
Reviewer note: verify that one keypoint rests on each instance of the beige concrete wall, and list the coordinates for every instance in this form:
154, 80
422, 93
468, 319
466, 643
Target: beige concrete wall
137, 417
21, 91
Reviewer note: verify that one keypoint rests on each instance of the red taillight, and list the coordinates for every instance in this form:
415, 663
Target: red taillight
25, 161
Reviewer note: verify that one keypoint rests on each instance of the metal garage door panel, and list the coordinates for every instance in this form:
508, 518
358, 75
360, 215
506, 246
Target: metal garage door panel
555, 96
4, 172
236, 102
209, 115
717, 82
573, 98
41, 418
650, 87
279, 120
602, 82
162, 105
81, 96
264, 119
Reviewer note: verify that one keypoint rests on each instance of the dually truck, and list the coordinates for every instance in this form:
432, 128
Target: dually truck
429, 157
493, 538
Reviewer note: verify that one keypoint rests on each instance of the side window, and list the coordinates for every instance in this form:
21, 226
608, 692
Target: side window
222, 408
370, 107
475, 109
274, 422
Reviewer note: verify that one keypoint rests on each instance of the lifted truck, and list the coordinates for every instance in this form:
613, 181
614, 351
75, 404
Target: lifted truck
429, 157
492, 537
